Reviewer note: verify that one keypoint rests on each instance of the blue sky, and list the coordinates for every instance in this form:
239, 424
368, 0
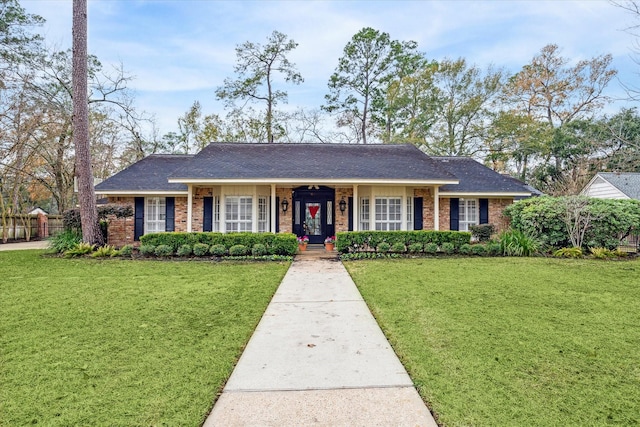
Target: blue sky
180, 51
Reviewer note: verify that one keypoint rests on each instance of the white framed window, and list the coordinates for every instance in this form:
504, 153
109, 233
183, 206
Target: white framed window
364, 214
388, 213
263, 214
155, 211
467, 213
238, 213
409, 213
216, 213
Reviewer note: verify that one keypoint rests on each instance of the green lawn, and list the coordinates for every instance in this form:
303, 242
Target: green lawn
122, 343
513, 341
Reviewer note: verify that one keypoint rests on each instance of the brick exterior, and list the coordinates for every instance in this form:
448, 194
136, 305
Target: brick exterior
445, 214
197, 206
427, 207
496, 208
285, 223
181, 214
120, 230
341, 220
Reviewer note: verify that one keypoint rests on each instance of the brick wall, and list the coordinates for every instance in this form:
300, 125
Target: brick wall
197, 206
427, 207
285, 222
181, 214
445, 214
341, 220
120, 230
496, 208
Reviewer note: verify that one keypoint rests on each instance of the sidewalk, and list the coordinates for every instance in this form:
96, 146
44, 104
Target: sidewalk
36, 244
318, 357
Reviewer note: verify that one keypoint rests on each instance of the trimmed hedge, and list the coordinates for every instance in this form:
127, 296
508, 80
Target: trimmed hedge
365, 241
275, 244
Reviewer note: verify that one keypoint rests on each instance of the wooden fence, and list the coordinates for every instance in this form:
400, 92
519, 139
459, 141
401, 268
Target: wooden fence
26, 227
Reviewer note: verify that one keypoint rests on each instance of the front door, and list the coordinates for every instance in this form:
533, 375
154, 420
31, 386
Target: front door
313, 213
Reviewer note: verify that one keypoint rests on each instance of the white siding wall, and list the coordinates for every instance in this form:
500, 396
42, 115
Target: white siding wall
601, 189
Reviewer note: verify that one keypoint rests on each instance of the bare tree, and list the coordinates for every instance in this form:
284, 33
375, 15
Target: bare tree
86, 193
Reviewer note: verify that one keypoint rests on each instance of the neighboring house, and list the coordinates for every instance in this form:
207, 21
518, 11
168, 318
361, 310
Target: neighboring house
308, 189
613, 185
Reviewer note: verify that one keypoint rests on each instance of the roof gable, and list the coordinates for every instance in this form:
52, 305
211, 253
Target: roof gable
626, 182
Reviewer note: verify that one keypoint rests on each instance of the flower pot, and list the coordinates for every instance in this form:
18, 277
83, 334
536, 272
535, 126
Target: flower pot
329, 246
302, 247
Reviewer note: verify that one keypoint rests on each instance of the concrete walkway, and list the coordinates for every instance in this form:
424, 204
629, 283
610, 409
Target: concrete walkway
35, 244
319, 358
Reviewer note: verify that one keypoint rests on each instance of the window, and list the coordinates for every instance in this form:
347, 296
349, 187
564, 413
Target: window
388, 214
216, 213
263, 214
238, 216
409, 213
155, 212
468, 213
364, 214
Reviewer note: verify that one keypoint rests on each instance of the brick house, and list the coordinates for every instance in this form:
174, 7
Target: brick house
308, 189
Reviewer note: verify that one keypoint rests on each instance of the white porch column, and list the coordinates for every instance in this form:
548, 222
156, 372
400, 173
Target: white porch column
436, 208
189, 207
356, 223
274, 208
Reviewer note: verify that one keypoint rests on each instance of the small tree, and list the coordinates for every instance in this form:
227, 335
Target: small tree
577, 218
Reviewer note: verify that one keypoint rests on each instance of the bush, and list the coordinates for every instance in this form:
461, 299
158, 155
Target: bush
238, 250
200, 249
163, 250
184, 250
147, 250
79, 249
218, 250
364, 241
104, 251
431, 248
416, 248
517, 243
572, 252
602, 253
479, 250
448, 248
493, 249
482, 232
125, 251
465, 249
64, 241
383, 247
399, 248
258, 250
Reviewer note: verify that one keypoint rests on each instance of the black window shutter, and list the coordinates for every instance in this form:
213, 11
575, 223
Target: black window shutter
277, 214
138, 225
170, 214
454, 209
417, 213
350, 216
207, 215
484, 211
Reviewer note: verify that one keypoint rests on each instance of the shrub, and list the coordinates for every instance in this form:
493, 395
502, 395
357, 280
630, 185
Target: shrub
64, 241
482, 232
479, 250
399, 248
184, 250
448, 248
164, 250
493, 248
602, 253
358, 241
238, 250
416, 248
431, 248
517, 243
572, 252
104, 251
79, 249
383, 247
147, 250
465, 249
258, 249
218, 250
200, 249
125, 251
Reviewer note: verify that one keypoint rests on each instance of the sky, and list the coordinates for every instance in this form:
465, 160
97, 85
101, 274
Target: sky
180, 51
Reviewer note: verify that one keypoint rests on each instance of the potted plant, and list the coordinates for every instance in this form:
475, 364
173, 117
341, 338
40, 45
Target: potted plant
329, 243
302, 243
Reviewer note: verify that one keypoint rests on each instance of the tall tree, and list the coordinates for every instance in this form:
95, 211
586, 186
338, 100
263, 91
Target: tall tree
257, 66
91, 232
371, 60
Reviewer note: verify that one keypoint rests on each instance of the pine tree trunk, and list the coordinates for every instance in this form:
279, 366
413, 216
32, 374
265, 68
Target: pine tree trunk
86, 194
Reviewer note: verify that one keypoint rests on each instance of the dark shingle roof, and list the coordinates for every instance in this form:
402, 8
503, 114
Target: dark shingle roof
476, 178
627, 182
148, 174
312, 161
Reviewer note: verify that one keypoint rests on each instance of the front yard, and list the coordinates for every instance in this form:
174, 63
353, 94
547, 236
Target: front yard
513, 341
111, 342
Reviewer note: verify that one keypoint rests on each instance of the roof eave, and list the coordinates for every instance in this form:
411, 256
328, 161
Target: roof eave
311, 181
142, 192
490, 194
